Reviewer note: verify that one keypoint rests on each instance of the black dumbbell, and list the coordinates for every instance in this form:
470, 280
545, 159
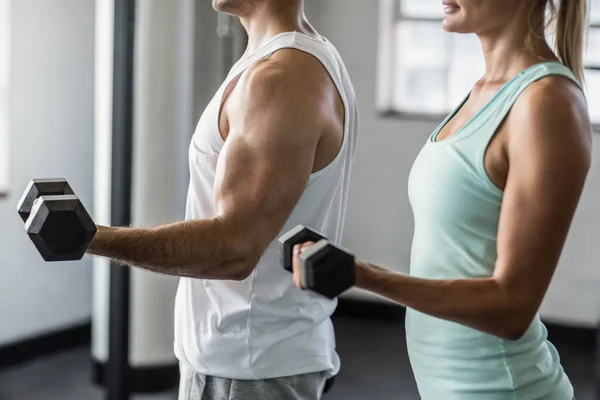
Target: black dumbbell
325, 268
58, 224
298, 235
41, 187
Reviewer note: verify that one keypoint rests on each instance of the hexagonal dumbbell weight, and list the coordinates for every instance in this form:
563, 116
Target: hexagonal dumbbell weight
41, 187
324, 268
59, 225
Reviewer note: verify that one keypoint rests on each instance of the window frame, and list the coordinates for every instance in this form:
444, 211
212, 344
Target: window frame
594, 67
390, 15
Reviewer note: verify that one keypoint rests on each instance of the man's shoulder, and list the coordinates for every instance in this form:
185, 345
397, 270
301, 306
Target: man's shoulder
286, 69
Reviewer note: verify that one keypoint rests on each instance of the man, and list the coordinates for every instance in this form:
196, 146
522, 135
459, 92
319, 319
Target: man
273, 149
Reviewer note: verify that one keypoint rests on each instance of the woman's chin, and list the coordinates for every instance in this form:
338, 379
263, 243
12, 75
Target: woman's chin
448, 25
453, 25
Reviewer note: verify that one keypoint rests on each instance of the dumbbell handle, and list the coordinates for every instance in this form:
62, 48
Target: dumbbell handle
35, 206
318, 251
336, 272
291, 238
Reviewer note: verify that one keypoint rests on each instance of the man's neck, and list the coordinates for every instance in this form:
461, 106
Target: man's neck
269, 20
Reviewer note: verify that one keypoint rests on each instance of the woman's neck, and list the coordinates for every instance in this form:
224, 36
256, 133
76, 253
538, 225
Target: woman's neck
512, 49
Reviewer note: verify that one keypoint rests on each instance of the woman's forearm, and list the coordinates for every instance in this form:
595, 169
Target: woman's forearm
478, 303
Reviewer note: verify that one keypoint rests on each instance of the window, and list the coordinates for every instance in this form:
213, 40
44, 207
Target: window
425, 72
4, 58
591, 61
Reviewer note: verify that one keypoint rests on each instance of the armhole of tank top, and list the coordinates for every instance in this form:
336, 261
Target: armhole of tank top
222, 99
243, 67
498, 120
282, 42
331, 71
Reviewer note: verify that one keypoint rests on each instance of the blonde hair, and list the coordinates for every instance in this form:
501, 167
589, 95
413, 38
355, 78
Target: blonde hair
568, 19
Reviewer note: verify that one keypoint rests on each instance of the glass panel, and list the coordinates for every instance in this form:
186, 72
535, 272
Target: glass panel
422, 8
595, 11
423, 90
592, 79
592, 48
422, 43
421, 67
467, 65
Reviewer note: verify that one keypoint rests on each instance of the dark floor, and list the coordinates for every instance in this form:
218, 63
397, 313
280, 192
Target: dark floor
374, 367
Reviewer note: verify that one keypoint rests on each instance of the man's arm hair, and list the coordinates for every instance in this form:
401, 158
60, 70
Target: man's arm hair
276, 119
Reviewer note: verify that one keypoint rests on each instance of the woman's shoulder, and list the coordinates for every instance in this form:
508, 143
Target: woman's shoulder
553, 91
554, 103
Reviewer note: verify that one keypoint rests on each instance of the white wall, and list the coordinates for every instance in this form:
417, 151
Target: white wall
380, 223
51, 134
4, 51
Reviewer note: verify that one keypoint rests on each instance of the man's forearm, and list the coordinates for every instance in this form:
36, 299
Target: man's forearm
478, 303
198, 249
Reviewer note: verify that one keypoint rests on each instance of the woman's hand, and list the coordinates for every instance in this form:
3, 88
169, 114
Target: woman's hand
297, 264
362, 267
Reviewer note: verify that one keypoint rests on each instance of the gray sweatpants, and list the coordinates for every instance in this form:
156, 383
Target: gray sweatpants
194, 386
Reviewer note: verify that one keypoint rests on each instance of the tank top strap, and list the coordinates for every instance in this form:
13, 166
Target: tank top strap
472, 140
328, 56
488, 120
280, 41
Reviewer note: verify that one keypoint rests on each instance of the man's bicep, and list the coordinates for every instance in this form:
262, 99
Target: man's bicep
264, 179
266, 162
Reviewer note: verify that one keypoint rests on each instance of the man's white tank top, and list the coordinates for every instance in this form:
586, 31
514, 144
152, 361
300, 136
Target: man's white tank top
264, 327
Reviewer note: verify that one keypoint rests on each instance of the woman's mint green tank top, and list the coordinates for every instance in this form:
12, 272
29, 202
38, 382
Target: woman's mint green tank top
456, 211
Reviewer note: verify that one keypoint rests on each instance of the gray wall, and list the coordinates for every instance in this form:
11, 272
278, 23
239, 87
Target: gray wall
208, 57
206, 79
51, 134
380, 224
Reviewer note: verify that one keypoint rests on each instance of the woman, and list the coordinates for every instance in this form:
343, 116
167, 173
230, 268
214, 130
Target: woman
493, 193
